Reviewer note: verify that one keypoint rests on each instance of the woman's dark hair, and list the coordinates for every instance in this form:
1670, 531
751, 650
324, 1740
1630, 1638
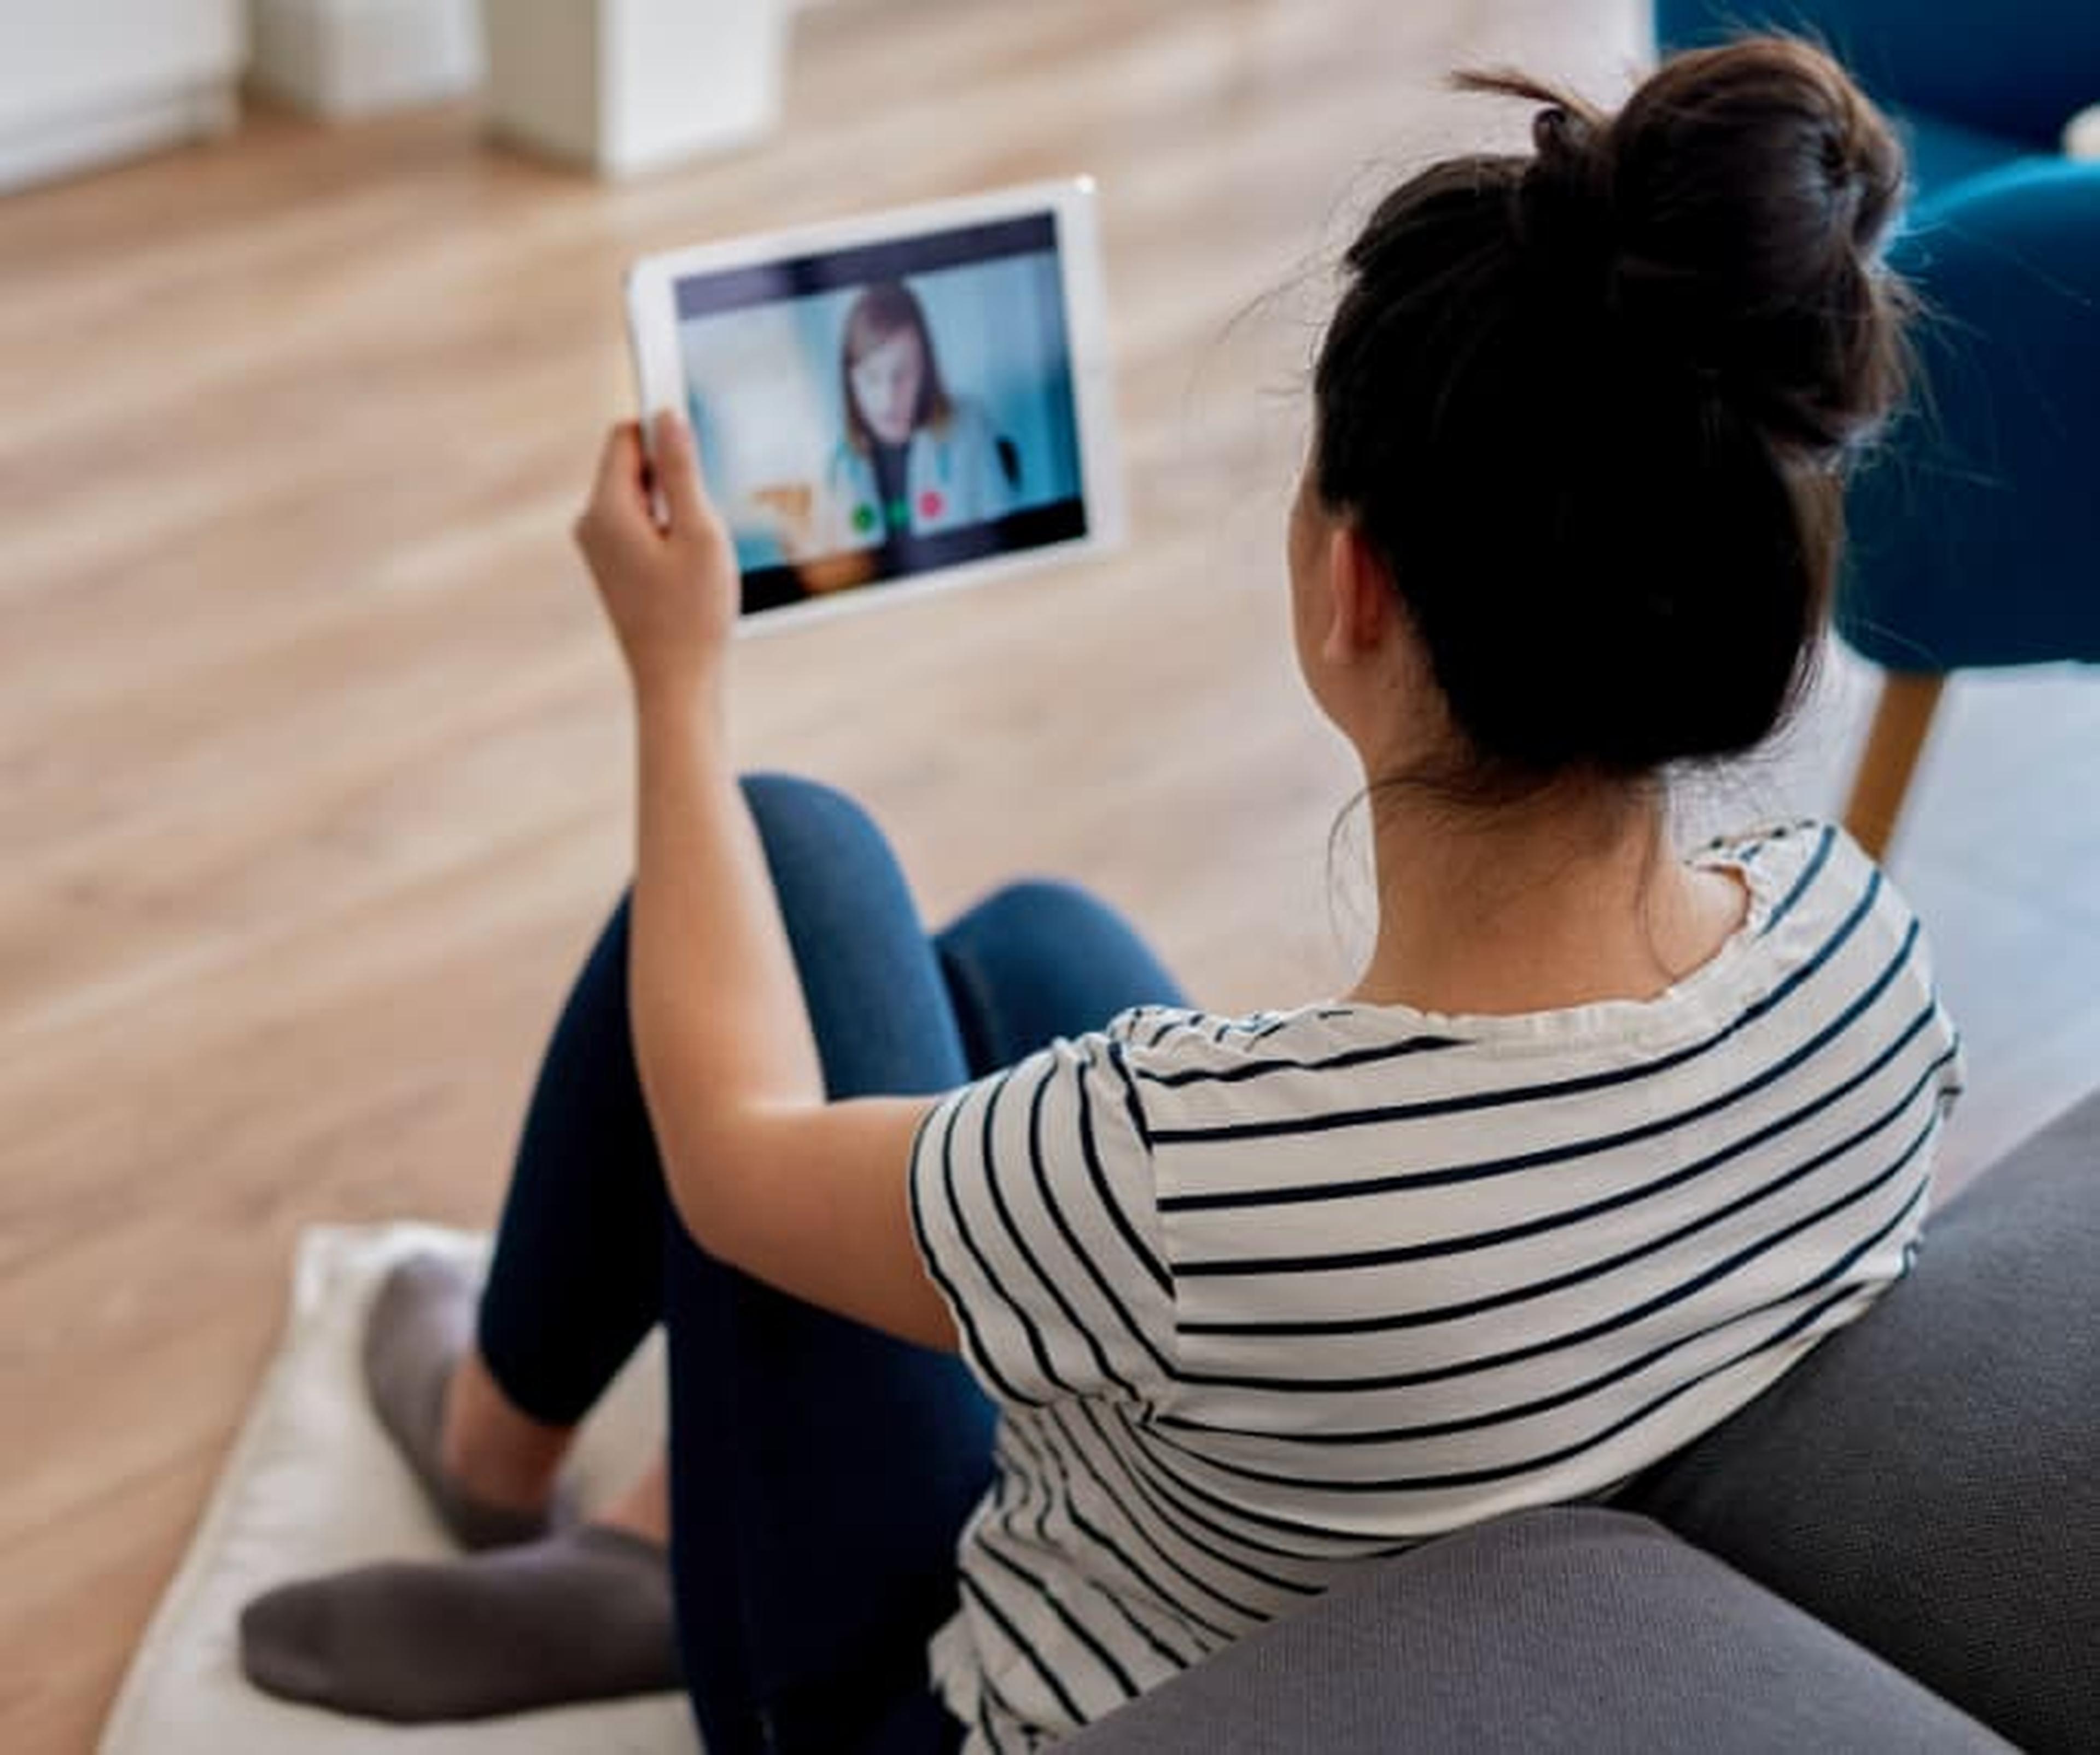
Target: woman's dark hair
1590, 407
886, 309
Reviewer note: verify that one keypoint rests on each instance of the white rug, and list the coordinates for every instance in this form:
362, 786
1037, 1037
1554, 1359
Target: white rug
313, 1484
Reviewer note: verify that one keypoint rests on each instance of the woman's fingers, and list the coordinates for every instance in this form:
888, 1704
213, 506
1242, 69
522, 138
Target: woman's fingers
619, 495
678, 471
616, 491
670, 590
619, 463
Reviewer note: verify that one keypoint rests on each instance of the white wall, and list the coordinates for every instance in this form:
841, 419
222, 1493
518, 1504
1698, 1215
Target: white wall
82, 81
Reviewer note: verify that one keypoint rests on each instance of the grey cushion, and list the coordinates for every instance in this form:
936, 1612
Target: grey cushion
1928, 1481
1576, 1629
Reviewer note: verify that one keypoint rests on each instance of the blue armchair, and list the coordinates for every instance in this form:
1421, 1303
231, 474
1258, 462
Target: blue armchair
1976, 540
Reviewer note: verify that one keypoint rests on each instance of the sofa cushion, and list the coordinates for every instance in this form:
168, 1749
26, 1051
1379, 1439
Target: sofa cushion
1928, 1480
1566, 1629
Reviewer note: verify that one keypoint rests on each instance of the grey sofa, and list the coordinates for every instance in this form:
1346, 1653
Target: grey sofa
1895, 1549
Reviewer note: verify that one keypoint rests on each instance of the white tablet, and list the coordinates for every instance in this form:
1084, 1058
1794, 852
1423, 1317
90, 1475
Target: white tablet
885, 403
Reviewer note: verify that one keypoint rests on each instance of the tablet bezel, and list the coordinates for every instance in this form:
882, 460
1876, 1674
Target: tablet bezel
652, 324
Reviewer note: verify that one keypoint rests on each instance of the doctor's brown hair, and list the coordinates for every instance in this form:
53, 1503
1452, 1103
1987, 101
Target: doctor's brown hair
885, 310
1592, 407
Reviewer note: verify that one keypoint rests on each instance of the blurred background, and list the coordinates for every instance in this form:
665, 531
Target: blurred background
315, 773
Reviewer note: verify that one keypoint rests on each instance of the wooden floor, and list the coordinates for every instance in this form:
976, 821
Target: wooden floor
313, 777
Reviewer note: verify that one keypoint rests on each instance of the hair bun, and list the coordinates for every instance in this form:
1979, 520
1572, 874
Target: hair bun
1566, 192
1731, 219
1562, 138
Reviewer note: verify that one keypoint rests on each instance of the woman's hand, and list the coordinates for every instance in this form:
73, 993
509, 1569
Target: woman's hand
671, 591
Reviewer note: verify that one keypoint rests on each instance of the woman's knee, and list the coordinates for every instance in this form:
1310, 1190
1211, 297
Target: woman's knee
1055, 917
1041, 959
1047, 906
791, 803
805, 824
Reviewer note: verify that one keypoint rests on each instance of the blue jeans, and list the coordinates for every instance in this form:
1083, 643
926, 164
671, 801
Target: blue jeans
820, 1471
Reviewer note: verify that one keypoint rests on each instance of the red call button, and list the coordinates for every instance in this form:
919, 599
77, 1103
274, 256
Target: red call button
931, 505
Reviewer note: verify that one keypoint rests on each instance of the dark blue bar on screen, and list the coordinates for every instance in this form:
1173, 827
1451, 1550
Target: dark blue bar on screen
771, 587
800, 276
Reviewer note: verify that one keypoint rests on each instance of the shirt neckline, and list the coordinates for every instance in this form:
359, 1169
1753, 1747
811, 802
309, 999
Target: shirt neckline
1716, 987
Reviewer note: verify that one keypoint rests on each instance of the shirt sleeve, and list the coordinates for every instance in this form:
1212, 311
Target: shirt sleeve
1033, 1202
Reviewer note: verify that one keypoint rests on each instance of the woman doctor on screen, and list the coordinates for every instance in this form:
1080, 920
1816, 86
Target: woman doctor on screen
916, 459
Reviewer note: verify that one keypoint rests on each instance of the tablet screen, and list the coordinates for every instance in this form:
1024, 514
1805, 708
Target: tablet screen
873, 412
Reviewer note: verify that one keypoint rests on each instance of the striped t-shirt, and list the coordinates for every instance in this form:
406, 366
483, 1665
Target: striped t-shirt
1259, 1299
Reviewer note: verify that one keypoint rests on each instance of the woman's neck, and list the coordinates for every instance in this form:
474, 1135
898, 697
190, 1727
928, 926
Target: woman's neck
1567, 899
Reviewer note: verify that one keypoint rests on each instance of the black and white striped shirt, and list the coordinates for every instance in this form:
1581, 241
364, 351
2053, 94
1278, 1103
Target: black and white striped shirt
1261, 1297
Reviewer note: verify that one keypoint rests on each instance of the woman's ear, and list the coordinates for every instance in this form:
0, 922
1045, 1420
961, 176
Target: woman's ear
1361, 606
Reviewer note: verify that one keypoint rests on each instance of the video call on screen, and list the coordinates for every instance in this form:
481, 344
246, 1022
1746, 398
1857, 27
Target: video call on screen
872, 413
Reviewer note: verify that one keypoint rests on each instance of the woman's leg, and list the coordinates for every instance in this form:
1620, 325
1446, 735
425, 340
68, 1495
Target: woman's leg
574, 1282
575, 1279
1042, 960
821, 1472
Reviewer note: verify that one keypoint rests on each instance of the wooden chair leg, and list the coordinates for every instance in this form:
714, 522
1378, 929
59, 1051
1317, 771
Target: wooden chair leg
1902, 718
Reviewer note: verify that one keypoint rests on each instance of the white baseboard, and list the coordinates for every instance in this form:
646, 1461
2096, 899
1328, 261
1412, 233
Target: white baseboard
341, 57
141, 122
